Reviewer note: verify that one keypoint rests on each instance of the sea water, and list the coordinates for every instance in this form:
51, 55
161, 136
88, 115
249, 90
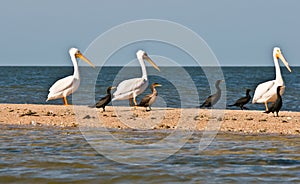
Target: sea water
34, 154
43, 155
31, 84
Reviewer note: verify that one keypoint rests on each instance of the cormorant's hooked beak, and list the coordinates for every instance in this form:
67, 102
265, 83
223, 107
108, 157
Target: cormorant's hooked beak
82, 57
113, 87
145, 56
157, 85
280, 56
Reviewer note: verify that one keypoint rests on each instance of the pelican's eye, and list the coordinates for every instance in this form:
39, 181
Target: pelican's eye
77, 54
145, 55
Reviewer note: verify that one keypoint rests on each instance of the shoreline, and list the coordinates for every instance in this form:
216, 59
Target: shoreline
247, 122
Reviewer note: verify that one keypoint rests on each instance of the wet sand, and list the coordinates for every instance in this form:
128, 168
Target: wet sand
227, 121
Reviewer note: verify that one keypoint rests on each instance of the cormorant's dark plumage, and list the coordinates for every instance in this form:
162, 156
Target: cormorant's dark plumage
105, 100
213, 99
276, 106
242, 101
149, 99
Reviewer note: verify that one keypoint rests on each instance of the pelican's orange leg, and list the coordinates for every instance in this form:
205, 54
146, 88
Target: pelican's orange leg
135, 103
65, 101
266, 104
131, 102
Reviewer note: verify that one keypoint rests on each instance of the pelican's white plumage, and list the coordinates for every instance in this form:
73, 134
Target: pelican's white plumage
131, 88
266, 92
66, 86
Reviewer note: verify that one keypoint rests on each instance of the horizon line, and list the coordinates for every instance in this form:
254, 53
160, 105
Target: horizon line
146, 66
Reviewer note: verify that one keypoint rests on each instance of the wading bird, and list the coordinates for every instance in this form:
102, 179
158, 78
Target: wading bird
68, 85
276, 106
131, 88
242, 101
213, 99
266, 92
105, 100
149, 99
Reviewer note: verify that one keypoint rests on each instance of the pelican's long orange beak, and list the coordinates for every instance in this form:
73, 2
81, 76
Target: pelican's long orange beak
151, 62
281, 57
82, 57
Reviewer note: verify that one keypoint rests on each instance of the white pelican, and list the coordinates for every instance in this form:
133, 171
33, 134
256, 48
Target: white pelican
266, 92
131, 88
66, 86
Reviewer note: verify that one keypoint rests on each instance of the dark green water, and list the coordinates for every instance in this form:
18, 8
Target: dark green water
44, 155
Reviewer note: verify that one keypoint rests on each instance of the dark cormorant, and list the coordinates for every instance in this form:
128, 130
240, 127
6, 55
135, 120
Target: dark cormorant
276, 106
149, 99
105, 100
213, 99
242, 101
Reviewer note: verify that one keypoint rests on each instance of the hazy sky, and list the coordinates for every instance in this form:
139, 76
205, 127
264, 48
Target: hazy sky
240, 32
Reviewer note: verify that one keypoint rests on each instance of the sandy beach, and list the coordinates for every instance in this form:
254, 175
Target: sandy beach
232, 121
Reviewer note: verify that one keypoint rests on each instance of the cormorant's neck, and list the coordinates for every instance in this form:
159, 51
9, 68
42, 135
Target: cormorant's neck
248, 93
218, 87
153, 90
278, 93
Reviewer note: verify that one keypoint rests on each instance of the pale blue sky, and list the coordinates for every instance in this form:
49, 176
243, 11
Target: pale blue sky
240, 32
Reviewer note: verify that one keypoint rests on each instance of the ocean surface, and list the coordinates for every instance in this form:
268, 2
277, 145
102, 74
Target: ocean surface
36, 154
181, 87
39, 155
